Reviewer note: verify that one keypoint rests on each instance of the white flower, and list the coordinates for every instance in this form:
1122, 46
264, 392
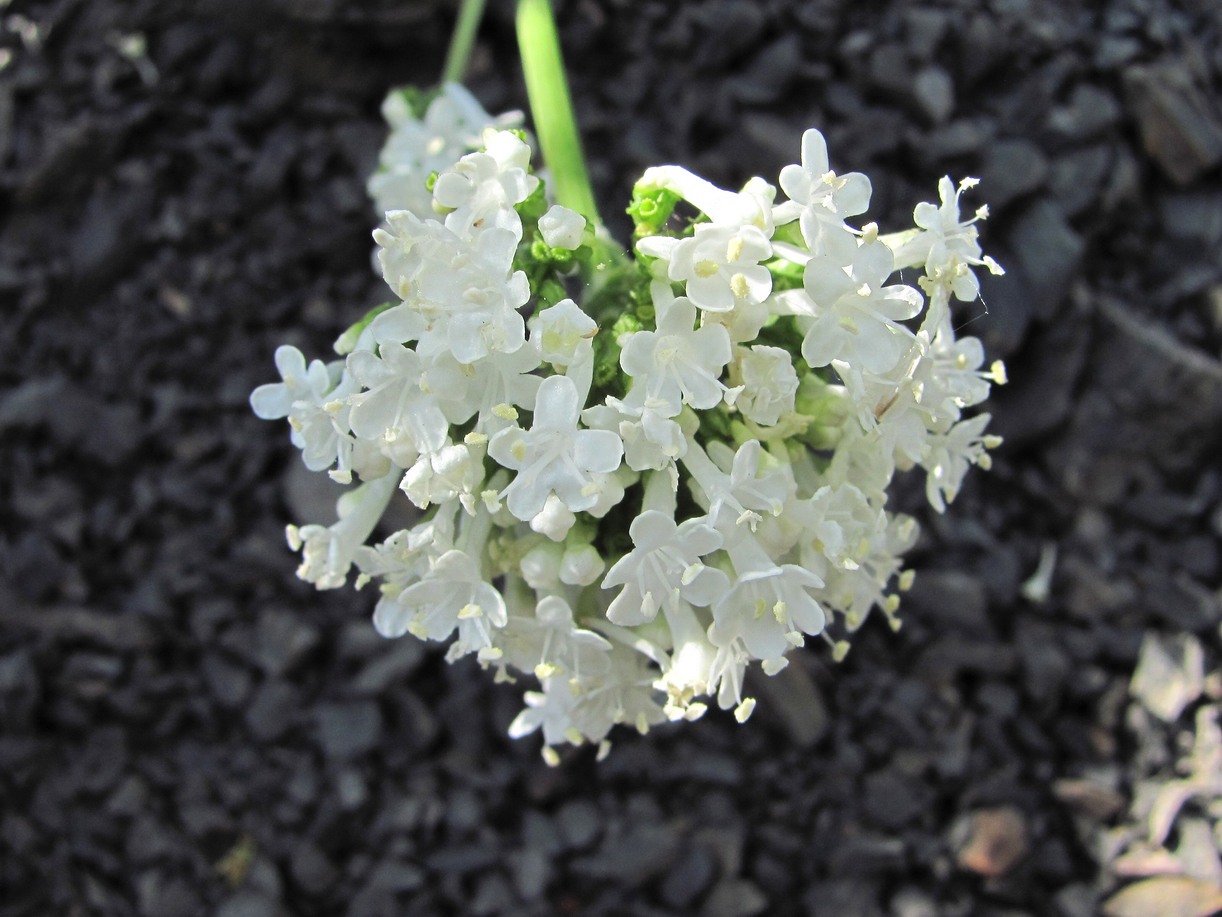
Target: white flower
855, 315
720, 265
769, 608
952, 379
452, 126
300, 383
581, 565
726, 678
854, 590
652, 440
827, 198
540, 566
551, 644
452, 595
751, 206
407, 555
842, 526
769, 384
859, 460
744, 321
315, 400
624, 694
464, 290
948, 246
322, 432
395, 407
498, 383
688, 672
755, 485
663, 567
563, 333
550, 709
679, 363
482, 188
476, 299
611, 489
949, 456
554, 456
562, 228
888, 405
328, 552
555, 520
449, 472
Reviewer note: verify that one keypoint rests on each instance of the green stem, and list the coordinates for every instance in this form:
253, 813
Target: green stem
462, 41
552, 108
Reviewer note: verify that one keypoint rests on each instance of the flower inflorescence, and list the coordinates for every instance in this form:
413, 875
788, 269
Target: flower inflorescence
635, 476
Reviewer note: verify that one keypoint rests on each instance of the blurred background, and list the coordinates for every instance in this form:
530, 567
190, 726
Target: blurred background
186, 729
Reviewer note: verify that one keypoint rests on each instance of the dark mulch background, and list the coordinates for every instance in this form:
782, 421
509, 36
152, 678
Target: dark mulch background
186, 729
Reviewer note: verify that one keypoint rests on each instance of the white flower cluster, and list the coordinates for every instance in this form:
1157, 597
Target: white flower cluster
636, 477
452, 125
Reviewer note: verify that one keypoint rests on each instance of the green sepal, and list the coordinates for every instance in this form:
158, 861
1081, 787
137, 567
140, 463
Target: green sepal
550, 292
346, 342
650, 209
716, 424
783, 331
535, 205
790, 233
826, 407
785, 274
418, 100
607, 375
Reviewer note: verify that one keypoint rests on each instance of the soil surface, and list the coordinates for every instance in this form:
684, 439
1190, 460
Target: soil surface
186, 729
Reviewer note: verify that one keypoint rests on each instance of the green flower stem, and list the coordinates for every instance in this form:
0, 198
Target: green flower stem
462, 41
552, 108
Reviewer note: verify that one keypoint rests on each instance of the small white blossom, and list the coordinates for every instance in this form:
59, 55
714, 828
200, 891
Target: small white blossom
652, 439
679, 363
453, 471
951, 453
948, 247
581, 565
453, 595
752, 206
562, 228
464, 290
299, 383
623, 695
563, 333
328, 552
393, 406
498, 385
719, 265
482, 188
688, 672
769, 609
554, 456
856, 316
769, 384
452, 126
827, 198
555, 519
550, 643
663, 567
739, 499
315, 401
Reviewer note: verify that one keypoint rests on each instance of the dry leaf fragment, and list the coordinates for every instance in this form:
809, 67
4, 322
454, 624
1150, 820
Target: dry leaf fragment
1165, 896
996, 842
1170, 674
